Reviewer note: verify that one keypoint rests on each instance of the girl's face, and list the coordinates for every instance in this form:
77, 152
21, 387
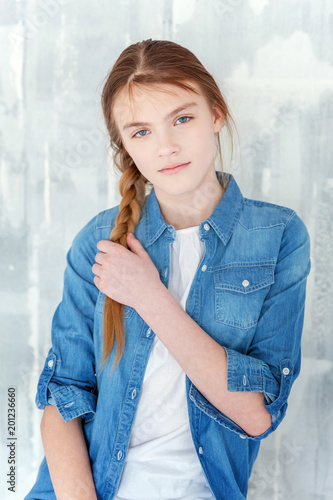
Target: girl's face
157, 133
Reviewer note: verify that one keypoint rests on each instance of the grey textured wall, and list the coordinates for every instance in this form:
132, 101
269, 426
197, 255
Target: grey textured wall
274, 62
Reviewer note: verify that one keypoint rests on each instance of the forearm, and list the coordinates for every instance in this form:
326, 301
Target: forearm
203, 360
67, 456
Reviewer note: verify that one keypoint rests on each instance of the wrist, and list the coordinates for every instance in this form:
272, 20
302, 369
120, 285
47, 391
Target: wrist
155, 299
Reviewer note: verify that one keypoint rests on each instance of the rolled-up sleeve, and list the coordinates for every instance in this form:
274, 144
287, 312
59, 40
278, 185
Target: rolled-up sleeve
68, 378
273, 360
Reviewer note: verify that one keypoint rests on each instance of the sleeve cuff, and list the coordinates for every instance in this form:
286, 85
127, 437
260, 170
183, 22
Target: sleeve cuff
71, 401
248, 374
258, 378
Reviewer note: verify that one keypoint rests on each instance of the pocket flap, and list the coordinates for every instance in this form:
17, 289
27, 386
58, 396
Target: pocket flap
244, 278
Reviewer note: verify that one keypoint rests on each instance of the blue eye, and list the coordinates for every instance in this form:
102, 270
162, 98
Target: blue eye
188, 118
136, 135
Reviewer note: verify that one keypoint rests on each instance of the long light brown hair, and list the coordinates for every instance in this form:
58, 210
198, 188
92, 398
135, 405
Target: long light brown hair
140, 65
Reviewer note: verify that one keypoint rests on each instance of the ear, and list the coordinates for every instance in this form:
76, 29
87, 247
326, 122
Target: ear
218, 118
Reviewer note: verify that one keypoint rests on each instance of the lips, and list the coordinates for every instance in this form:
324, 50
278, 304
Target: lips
172, 166
174, 170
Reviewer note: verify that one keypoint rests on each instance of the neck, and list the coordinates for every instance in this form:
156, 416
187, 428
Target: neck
193, 208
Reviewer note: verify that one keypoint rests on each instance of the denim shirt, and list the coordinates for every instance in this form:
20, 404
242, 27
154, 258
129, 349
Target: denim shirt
248, 294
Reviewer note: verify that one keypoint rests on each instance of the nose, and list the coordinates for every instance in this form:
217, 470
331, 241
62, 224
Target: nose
167, 144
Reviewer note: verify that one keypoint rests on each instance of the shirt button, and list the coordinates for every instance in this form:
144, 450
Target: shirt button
50, 363
245, 283
200, 450
204, 267
120, 454
242, 436
133, 393
285, 371
166, 272
207, 227
148, 332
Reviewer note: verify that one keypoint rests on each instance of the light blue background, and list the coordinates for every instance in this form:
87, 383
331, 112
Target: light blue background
274, 63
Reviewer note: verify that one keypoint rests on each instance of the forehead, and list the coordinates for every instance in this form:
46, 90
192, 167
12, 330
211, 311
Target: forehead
151, 98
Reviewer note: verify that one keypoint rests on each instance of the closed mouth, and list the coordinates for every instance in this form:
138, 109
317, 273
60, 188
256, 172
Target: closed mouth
176, 166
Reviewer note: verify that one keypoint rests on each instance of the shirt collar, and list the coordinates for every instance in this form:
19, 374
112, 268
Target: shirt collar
222, 220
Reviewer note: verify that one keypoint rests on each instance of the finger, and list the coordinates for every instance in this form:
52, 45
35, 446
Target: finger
97, 281
99, 257
96, 268
135, 244
105, 245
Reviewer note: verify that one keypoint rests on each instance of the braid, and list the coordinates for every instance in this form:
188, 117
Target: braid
132, 187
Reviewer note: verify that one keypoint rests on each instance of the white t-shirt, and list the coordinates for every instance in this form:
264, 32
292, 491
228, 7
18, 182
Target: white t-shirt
161, 462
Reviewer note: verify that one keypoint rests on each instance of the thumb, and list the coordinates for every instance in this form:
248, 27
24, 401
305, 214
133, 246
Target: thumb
134, 243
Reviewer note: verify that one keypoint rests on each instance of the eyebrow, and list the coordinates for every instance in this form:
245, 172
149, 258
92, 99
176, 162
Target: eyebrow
169, 115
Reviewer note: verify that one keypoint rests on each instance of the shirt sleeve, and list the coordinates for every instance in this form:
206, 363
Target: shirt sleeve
68, 378
273, 360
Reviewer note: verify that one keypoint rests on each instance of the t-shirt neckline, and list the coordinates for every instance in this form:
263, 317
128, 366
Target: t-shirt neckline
187, 230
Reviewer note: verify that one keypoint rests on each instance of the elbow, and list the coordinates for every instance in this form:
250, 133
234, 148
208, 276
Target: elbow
260, 425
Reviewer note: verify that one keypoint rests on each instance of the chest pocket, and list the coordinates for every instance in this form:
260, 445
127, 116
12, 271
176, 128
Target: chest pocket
240, 290
127, 310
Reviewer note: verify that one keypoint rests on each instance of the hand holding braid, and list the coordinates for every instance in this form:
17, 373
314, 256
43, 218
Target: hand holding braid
127, 276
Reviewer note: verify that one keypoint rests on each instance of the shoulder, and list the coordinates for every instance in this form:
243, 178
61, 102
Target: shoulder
258, 214
106, 218
96, 229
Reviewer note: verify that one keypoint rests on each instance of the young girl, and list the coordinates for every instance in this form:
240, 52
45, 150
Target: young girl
178, 336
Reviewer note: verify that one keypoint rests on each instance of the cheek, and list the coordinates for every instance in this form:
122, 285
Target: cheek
141, 157
135, 152
202, 141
